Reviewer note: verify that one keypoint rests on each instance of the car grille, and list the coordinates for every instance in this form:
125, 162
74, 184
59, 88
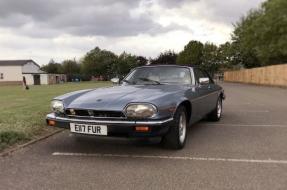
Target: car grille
94, 113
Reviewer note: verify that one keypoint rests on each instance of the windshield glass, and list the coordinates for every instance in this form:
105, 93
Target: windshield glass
159, 75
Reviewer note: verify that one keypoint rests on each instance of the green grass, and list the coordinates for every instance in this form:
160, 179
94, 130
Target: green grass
22, 112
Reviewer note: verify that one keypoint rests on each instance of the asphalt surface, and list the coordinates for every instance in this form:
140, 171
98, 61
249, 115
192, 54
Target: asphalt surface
247, 149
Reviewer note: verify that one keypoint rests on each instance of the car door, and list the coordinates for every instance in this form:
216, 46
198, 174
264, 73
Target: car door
205, 91
213, 93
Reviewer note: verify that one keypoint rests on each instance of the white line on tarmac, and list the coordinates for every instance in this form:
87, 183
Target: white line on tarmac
246, 125
254, 111
249, 111
269, 161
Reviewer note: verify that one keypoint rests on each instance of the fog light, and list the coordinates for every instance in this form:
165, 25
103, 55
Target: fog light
51, 123
142, 128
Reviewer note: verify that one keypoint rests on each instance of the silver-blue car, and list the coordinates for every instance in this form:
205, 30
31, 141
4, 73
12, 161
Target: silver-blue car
158, 100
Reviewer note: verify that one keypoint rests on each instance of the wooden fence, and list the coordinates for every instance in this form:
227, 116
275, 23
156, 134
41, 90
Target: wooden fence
275, 75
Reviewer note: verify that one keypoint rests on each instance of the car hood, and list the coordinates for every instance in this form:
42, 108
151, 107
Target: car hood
117, 97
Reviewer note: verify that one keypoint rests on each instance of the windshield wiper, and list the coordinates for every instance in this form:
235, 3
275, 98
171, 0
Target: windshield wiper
127, 81
149, 80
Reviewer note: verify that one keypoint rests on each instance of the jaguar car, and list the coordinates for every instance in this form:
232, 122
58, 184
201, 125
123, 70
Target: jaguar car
151, 101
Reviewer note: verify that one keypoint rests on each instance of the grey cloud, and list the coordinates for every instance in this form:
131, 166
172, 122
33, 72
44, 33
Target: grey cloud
39, 18
50, 18
174, 3
227, 12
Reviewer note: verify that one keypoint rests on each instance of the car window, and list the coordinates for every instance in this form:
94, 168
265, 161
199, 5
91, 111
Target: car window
198, 73
166, 74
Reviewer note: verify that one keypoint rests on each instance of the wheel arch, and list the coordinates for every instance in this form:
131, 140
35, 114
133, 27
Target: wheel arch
222, 95
188, 107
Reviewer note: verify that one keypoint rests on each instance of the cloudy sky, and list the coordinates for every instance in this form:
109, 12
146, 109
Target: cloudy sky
65, 29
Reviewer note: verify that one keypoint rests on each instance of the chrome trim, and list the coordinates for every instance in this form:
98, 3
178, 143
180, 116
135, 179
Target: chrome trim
159, 122
77, 116
154, 122
95, 116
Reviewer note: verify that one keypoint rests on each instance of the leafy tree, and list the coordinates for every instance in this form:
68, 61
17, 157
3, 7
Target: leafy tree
141, 61
210, 58
166, 58
272, 44
98, 62
261, 35
52, 67
191, 55
71, 68
229, 55
124, 64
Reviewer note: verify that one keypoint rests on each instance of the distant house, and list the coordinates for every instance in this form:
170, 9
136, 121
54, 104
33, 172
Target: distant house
13, 71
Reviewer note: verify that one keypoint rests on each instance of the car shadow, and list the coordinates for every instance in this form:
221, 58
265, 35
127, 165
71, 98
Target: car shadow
114, 145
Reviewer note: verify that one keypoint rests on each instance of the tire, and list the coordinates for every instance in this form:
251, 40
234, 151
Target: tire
176, 136
215, 115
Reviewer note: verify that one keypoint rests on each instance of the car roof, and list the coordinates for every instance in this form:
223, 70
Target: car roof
167, 65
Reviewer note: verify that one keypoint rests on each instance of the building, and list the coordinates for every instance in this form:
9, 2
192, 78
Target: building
13, 71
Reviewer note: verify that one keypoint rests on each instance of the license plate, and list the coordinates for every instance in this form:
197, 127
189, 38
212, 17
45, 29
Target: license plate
89, 129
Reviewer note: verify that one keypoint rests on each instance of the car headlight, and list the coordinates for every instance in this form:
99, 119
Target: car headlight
57, 106
140, 110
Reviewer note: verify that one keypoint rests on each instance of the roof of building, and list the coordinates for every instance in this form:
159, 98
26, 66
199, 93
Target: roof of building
16, 62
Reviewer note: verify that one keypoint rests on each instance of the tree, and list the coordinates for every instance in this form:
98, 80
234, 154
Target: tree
210, 59
98, 62
71, 68
261, 35
165, 58
124, 64
52, 67
191, 55
141, 61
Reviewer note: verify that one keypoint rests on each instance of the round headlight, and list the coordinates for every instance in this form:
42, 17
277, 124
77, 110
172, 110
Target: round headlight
57, 106
140, 110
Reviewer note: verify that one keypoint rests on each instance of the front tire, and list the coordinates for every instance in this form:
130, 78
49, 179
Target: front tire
215, 115
176, 136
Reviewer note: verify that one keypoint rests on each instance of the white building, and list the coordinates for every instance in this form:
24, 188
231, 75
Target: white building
13, 72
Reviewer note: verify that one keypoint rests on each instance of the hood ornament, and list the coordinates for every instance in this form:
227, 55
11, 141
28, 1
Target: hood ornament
91, 112
72, 111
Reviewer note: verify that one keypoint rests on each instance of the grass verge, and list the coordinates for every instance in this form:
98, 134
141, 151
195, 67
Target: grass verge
22, 113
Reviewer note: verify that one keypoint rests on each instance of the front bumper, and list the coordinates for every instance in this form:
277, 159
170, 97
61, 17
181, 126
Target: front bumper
117, 127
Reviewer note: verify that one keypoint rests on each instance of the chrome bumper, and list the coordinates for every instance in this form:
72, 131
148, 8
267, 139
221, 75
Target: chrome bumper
53, 117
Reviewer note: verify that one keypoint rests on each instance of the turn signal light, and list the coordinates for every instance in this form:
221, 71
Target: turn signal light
142, 128
51, 123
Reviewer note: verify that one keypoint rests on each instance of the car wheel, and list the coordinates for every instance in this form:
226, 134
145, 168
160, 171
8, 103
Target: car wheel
176, 136
215, 115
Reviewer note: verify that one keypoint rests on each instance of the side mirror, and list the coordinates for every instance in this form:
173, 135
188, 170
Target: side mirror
203, 81
115, 80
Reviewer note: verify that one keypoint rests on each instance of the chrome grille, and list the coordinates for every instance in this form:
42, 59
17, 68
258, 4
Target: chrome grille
94, 113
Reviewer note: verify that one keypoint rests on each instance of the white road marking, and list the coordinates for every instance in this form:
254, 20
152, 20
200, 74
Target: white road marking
249, 111
269, 161
254, 111
246, 125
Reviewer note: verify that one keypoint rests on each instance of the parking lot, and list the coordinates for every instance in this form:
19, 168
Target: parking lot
247, 149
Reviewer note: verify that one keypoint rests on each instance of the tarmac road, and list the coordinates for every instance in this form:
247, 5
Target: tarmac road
247, 149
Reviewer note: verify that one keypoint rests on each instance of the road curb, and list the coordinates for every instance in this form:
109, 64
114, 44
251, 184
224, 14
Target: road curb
10, 151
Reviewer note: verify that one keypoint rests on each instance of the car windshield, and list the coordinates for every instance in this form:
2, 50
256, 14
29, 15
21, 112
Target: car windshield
159, 75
